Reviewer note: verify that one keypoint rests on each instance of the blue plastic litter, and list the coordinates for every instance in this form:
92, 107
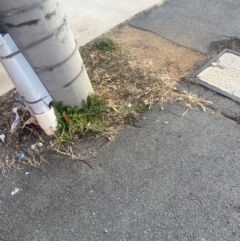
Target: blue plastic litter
20, 156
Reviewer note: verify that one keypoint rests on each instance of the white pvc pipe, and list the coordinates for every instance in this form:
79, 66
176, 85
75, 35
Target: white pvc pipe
24, 78
48, 121
28, 85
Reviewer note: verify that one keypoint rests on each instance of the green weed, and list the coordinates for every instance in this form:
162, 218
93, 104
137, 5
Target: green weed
75, 123
103, 43
144, 107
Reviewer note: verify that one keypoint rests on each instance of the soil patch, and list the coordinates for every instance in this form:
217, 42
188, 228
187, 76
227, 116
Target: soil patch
156, 54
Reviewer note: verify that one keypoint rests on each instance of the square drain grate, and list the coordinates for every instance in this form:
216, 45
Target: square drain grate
221, 74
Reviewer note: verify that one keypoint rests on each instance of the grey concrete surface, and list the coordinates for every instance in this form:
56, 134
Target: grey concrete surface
194, 24
5, 82
172, 178
89, 19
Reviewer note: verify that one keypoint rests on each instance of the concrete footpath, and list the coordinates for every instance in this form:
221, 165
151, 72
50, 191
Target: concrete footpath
172, 178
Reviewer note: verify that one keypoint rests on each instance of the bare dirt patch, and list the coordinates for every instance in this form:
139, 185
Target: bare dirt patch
156, 54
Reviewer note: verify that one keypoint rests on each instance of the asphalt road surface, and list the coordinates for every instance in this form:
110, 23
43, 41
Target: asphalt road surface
194, 24
174, 178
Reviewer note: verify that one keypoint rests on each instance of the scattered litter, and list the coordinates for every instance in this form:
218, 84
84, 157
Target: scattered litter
31, 120
27, 173
35, 146
15, 191
105, 231
17, 121
20, 156
19, 99
129, 105
166, 122
144, 118
2, 137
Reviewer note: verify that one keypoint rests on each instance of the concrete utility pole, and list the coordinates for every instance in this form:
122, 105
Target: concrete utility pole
39, 29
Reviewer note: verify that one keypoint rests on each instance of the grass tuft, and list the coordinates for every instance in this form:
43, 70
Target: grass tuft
104, 44
76, 123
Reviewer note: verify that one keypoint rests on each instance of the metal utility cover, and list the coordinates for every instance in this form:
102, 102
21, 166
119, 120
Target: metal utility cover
221, 74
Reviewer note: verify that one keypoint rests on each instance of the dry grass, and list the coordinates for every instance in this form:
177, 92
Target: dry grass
20, 141
128, 86
31, 158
